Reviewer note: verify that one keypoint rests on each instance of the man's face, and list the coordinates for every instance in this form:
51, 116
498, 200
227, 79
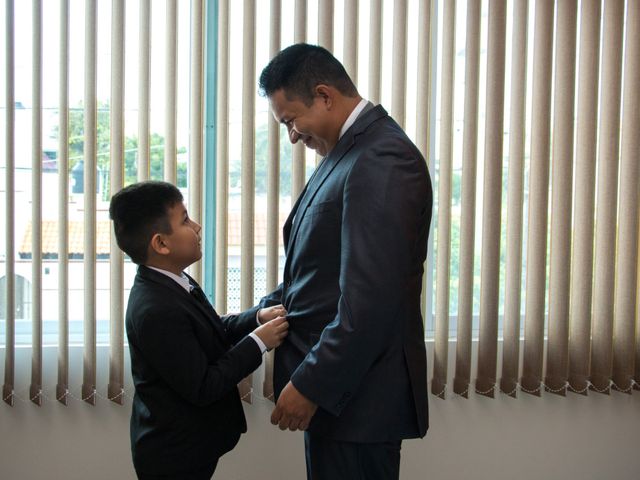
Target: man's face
184, 240
312, 125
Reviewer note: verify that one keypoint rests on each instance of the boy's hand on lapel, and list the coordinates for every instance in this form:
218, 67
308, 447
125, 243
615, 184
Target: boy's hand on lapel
293, 410
267, 314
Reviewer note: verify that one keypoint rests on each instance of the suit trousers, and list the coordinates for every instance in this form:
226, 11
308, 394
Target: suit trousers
335, 460
204, 473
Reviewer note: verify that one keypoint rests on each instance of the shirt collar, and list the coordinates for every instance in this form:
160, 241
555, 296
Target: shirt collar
352, 117
181, 279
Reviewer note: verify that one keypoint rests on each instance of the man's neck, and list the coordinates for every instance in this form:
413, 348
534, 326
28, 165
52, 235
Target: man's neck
347, 105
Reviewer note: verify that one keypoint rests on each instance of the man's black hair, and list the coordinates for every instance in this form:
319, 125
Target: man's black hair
298, 69
139, 211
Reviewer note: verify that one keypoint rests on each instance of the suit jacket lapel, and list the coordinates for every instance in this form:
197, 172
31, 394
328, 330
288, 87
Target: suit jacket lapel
369, 115
286, 229
208, 310
182, 295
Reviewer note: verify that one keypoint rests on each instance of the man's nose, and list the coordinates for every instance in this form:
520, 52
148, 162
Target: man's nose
293, 135
196, 226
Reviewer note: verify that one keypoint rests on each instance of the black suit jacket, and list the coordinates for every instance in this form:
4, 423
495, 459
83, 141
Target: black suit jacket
186, 362
356, 241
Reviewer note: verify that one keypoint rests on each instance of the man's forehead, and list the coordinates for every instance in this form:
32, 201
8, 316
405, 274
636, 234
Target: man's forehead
279, 104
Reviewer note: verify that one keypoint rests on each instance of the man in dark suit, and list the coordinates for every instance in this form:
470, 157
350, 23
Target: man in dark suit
185, 359
352, 371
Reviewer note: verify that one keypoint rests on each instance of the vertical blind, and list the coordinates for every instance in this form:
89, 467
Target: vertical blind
527, 114
93, 178
565, 182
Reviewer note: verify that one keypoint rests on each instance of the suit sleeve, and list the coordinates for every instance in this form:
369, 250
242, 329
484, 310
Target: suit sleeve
168, 344
385, 199
273, 298
239, 325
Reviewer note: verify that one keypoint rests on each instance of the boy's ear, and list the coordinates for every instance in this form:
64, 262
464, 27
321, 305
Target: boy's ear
159, 245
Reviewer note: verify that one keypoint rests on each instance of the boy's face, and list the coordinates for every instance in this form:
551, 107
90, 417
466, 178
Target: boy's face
184, 240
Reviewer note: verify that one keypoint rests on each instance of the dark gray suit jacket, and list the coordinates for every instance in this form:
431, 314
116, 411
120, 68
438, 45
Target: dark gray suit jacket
356, 241
186, 362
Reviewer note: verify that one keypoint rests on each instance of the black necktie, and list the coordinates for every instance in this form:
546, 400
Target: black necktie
199, 295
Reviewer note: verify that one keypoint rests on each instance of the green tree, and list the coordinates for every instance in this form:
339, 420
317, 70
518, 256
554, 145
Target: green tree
262, 154
103, 139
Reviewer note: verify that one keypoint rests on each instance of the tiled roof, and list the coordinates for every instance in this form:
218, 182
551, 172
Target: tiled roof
76, 238
103, 233
259, 228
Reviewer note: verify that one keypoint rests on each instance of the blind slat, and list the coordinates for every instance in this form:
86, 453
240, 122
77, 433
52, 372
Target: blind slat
222, 157
375, 50
515, 200
538, 198
399, 68
35, 389
441, 351
585, 173
467, 221
248, 169
351, 26
273, 192
10, 307
144, 88
443, 257
62, 386
562, 183
627, 257
90, 146
492, 201
606, 202
171, 81
423, 133
325, 24
297, 150
196, 122
116, 317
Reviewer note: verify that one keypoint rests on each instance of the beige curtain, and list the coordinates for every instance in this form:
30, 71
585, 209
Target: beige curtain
573, 170
94, 231
535, 176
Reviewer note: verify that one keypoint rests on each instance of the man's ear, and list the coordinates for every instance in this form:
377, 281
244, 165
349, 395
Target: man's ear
159, 245
326, 94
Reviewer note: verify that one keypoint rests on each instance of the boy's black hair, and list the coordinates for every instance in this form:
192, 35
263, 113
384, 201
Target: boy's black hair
139, 211
298, 69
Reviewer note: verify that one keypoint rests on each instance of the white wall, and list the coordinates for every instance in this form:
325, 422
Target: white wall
593, 437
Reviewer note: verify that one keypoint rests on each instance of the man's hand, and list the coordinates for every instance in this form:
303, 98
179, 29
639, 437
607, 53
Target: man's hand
269, 313
293, 410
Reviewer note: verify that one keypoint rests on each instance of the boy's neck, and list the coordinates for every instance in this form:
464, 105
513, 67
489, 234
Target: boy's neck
168, 266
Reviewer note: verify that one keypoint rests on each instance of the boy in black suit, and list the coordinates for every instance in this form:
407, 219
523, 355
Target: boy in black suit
185, 359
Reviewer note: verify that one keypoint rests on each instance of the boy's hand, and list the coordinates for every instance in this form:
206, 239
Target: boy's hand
273, 332
267, 314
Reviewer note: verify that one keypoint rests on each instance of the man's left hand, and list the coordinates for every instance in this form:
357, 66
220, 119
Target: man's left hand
293, 410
